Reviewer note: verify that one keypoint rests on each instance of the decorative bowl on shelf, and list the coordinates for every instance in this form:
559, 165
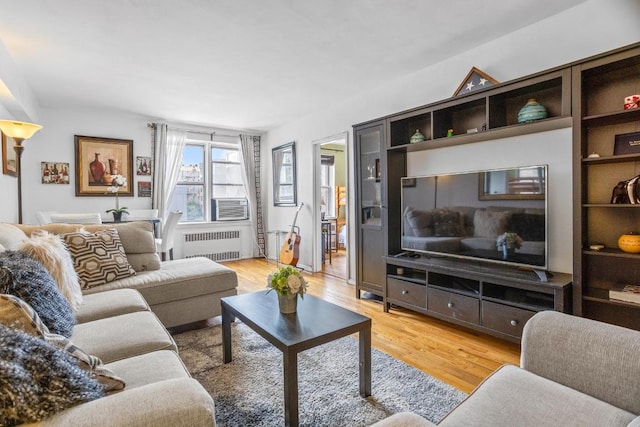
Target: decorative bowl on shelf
630, 243
416, 137
532, 110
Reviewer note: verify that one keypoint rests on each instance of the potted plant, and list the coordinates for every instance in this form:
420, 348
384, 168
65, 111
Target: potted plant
117, 181
288, 283
508, 242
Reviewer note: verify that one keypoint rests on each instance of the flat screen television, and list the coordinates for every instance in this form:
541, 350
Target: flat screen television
494, 215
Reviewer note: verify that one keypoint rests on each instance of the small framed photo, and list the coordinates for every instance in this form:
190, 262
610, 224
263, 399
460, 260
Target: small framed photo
627, 143
9, 159
144, 188
143, 166
54, 173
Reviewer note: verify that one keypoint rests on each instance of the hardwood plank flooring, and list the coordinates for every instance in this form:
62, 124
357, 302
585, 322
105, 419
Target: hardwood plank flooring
460, 357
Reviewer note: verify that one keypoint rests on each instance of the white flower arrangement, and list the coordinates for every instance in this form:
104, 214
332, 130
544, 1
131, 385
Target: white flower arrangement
117, 181
287, 281
510, 240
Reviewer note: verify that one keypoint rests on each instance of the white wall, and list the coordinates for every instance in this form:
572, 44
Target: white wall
585, 30
55, 143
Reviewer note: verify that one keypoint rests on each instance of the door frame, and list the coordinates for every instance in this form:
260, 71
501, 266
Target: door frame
342, 138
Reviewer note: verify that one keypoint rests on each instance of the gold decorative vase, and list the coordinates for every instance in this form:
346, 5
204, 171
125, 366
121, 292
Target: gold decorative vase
630, 243
288, 303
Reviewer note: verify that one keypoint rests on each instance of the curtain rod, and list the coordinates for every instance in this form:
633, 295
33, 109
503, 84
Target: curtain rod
201, 132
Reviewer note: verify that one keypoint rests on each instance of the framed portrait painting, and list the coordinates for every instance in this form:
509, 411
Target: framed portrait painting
97, 160
9, 160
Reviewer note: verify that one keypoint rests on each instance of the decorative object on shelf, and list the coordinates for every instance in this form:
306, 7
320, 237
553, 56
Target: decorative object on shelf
630, 243
117, 182
472, 130
593, 155
596, 247
627, 293
288, 283
508, 242
377, 169
449, 133
626, 192
98, 160
627, 143
475, 80
531, 111
631, 102
416, 137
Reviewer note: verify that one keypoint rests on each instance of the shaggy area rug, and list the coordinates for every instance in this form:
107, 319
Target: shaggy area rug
249, 390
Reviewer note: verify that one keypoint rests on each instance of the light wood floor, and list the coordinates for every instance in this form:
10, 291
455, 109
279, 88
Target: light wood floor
457, 356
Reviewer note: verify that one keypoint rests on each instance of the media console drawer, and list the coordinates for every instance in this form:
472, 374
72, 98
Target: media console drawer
504, 318
460, 307
410, 293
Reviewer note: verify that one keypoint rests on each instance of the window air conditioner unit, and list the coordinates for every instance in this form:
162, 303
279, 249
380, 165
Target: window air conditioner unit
229, 209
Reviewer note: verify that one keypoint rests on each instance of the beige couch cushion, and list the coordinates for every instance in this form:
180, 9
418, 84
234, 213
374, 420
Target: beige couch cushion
137, 239
203, 276
119, 337
149, 368
11, 237
109, 304
513, 397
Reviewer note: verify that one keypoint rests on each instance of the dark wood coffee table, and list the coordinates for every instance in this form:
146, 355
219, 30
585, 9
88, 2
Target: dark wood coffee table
316, 322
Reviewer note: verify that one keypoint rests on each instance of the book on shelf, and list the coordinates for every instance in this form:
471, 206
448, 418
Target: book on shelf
627, 293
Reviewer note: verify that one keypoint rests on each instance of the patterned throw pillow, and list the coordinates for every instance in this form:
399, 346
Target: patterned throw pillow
447, 223
38, 380
17, 314
52, 253
98, 257
26, 278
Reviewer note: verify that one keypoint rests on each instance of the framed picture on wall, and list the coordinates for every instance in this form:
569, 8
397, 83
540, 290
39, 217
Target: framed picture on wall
97, 160
144, 188
54, 173
9, 165
143, 166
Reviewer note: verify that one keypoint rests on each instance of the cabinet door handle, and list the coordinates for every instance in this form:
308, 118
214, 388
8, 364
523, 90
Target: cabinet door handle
405, 292
514, 323
450, 304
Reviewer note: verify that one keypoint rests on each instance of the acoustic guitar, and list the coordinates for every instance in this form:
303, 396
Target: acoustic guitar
290, 250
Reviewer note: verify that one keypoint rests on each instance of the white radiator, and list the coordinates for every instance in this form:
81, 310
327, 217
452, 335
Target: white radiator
215, 245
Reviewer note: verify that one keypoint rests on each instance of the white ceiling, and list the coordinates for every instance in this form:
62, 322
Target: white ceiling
248, 64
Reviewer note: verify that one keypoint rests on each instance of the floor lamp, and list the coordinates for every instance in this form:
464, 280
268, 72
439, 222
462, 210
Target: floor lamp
19, 131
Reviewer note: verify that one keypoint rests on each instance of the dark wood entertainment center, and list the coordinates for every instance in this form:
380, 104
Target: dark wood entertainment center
586, 95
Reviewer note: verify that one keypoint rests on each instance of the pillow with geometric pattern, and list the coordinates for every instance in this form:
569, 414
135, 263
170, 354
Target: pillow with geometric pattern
98, 257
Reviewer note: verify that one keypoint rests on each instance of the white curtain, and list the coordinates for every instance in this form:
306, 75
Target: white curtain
167, 152
250, 151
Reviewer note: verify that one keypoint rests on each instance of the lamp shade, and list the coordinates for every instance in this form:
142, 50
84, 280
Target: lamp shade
18, 130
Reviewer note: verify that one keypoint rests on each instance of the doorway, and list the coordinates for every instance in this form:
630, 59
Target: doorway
332, 195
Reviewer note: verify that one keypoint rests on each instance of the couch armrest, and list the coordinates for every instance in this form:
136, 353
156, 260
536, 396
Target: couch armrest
592, 357
171, 403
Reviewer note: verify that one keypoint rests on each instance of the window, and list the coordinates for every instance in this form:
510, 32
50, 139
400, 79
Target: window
327, 183
210, 171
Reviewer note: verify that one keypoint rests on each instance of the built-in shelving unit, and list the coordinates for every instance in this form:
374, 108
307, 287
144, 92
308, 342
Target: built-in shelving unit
600, 86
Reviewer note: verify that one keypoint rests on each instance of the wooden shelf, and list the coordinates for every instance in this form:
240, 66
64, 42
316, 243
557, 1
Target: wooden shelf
613, 118
622, 158
608, 252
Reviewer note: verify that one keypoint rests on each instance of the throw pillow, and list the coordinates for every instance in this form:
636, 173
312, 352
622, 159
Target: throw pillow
26, 278
490, 224
98, 257
11, 236
38, 380
52, 253
447, 223
17, 314
421, 222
